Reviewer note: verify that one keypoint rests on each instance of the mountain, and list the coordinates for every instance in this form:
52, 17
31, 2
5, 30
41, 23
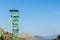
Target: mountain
40, 37
51, 37
26, 36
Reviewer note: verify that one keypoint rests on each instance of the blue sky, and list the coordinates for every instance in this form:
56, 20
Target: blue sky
37, 17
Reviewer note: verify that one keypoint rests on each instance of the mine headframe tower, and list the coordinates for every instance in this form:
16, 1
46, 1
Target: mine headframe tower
15, 23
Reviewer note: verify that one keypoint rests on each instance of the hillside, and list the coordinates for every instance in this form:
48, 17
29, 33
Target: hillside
7, 35
26, 36
23, 36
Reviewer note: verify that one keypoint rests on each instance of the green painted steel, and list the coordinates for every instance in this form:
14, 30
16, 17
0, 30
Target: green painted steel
14, 15
6, 26
15, 23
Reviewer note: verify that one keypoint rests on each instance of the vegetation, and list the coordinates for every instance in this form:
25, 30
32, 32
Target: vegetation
8, 36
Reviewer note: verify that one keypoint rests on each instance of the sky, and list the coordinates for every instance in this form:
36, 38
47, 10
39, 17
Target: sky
37, 17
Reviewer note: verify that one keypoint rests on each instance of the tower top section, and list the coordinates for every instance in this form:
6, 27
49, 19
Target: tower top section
13, 10
14, 13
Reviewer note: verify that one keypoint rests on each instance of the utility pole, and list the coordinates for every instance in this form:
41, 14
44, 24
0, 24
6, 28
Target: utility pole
15, 23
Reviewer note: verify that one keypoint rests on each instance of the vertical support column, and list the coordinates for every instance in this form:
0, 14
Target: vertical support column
15, 22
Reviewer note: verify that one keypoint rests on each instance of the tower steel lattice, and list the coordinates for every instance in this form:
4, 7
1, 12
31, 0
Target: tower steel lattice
15, 22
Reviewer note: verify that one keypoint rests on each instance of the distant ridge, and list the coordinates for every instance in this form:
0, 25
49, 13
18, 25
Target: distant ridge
51, 36
40, 37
